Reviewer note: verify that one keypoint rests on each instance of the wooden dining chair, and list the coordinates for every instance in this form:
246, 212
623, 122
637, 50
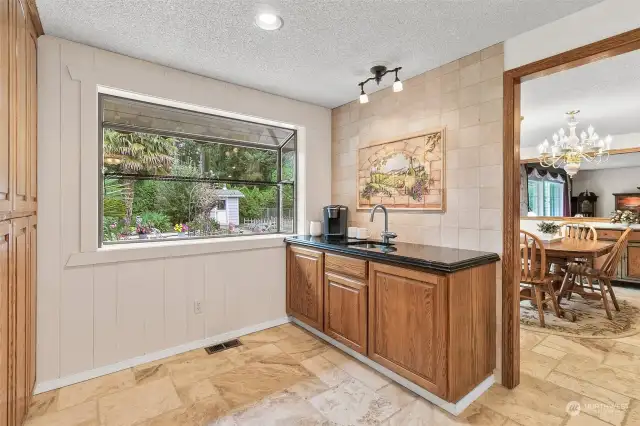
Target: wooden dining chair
534, 276
576, 231
602, 275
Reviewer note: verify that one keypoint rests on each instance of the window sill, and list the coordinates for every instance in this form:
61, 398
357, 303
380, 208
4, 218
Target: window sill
157, 250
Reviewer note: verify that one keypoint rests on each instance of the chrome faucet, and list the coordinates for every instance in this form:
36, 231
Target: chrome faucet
386, 234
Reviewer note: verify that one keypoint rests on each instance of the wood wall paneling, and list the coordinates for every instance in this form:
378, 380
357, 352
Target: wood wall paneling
633, 261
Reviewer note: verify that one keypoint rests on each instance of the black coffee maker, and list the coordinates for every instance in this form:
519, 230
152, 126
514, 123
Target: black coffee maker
335, 221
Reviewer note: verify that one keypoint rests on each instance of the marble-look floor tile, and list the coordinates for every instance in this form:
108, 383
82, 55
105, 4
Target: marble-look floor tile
585, 420
144, 374
95, 388
193, 370
423, 413
633, 414
592, 348
631, 340
191, 394
533, 403
244, 354
352, 403
325, 370
398, 395
588, 389
85, 414
296, 331
282, 409
611, 378
624, 361
308, 388
250, 383
549, 352
203, 413
46, 402
356, 369
301, 349
270, 335
529, 339
536, 365
139, 403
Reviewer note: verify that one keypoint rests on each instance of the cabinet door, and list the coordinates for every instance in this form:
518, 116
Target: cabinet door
408, 324
31, 307
633, 261
345, 311
21, 268
5, 279
5, 100
304, 286
32, 119
19, 86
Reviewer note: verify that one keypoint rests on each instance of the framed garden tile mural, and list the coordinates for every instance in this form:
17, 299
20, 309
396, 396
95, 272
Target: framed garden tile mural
405, 173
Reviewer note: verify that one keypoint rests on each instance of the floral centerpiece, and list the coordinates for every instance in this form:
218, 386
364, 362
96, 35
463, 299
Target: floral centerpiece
548, 229
625, 216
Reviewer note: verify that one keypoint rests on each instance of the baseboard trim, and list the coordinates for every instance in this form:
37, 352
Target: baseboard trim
453, 408
154, 356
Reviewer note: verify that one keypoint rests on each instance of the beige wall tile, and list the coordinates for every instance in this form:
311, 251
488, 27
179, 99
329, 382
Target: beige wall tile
470, 116
469, 239
490, 177
469, 219
491, 198
491, 111
470, 136
447, 68
450, 82
490, 241
470, 95
449, 101
491, 154
491, 219
470, 59
496, 49
470, 75
491, 89
492, 67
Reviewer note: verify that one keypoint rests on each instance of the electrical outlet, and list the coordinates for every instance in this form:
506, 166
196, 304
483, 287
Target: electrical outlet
197, 307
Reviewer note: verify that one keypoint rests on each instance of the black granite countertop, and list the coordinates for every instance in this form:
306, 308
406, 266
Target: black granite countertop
442, 259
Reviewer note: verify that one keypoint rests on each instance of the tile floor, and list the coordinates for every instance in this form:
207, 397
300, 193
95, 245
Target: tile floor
286, 376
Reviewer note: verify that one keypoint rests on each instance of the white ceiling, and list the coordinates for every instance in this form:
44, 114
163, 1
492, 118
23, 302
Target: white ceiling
324, 49
606, 92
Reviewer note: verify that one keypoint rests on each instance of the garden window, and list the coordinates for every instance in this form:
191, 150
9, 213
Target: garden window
169, 173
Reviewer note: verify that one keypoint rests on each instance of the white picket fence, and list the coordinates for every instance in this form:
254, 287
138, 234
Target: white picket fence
270, 223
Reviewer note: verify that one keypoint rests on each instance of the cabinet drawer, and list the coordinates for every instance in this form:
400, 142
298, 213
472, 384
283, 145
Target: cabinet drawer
634, 236
608, 234
346, 265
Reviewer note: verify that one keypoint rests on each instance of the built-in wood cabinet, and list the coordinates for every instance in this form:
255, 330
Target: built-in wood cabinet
305, 272
408, 324
435, 329
345, 311
629, 267
18, 203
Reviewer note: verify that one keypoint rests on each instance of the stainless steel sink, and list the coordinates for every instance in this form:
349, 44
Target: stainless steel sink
373, 245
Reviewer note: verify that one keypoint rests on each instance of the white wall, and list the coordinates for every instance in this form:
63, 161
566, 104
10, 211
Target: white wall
605, 183
586, 26
115, 304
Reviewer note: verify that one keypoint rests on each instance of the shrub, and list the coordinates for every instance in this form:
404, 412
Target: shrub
156, 220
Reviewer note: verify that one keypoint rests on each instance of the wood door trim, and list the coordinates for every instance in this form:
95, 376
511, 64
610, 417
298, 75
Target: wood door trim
616, 45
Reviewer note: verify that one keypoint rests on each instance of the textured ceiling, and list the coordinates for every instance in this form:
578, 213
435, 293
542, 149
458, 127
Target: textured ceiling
606, 92
324, 48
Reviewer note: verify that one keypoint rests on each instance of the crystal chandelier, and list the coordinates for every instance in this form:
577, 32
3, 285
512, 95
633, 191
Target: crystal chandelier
568, 151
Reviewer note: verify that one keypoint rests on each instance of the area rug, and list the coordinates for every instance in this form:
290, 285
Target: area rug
591, 319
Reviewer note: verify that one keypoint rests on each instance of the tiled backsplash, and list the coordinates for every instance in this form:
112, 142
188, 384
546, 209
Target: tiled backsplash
465, 97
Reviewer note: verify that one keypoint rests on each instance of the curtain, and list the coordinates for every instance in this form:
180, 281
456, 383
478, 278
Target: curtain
548, 175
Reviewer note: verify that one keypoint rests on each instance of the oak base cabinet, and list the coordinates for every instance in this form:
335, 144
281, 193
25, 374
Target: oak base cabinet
305, 273
435, 329
345, 311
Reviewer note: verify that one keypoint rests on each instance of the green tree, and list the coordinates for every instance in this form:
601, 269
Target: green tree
139, 153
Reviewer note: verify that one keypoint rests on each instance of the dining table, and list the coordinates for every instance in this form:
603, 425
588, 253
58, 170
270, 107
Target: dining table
568, 249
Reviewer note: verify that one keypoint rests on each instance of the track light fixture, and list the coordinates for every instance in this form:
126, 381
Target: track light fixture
378, 72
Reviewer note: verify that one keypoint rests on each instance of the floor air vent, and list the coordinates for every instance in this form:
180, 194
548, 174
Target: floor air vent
222, 346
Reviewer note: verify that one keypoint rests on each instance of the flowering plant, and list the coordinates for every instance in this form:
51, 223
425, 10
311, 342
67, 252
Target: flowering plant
181, 227
548, 227
624, 216
143, 229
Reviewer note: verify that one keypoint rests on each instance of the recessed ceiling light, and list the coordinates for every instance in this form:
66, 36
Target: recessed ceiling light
268, 21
